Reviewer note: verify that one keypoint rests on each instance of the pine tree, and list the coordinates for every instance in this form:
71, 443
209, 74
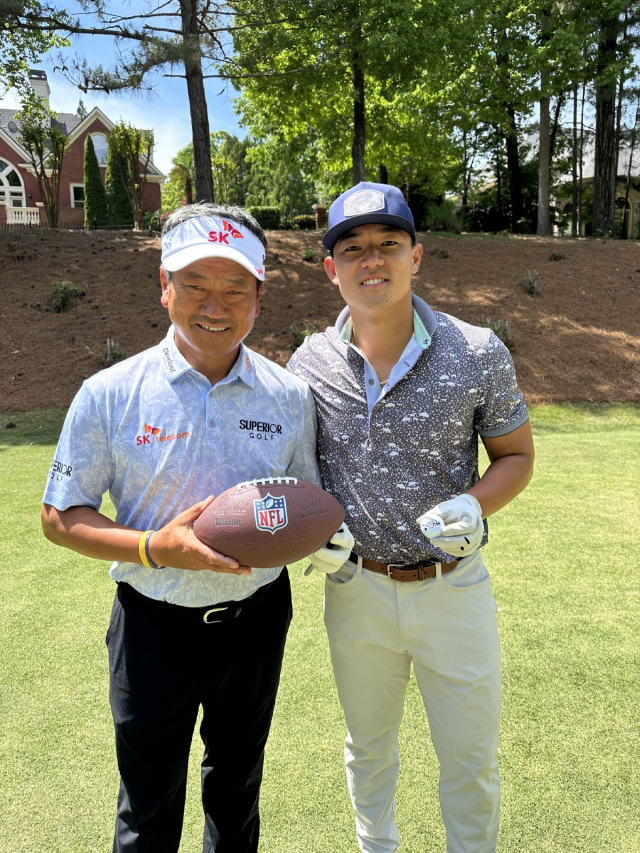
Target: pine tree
81, 111
95, 198
119, 207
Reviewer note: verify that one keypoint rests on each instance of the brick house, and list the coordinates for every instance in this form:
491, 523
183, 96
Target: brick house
20, 201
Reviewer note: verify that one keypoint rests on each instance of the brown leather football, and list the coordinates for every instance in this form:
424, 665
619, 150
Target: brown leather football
270, 522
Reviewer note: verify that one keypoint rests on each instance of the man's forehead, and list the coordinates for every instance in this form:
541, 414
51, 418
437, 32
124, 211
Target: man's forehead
217, 267
369, 228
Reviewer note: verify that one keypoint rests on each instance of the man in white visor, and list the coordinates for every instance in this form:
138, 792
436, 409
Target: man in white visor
162, 432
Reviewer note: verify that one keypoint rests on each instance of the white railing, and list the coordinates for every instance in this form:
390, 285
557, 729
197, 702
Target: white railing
23, 216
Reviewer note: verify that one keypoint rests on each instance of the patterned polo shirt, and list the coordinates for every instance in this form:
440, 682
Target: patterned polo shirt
418, 444
156, 435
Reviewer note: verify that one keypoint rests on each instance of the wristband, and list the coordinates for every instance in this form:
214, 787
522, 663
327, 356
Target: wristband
143, 550
149, 562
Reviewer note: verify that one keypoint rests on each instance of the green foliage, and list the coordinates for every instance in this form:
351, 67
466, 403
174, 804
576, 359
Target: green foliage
441, 254
119, 209
529, 283
95, 197
46, 145
443, 216
81, 110
111, 353
267, 217
133, 148
502, 329
23, 42
310, 256
64, 296
300, 334
304, 222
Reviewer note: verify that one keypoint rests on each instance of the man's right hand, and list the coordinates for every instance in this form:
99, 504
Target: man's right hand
176, 545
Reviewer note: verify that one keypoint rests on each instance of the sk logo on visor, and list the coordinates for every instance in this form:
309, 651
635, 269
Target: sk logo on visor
271, 513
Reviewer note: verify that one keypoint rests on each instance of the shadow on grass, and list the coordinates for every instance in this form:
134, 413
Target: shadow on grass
38, 426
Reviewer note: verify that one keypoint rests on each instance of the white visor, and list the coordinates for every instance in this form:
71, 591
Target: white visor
212, 237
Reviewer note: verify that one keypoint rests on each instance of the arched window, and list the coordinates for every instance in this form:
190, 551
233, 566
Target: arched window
11, 186
101, 146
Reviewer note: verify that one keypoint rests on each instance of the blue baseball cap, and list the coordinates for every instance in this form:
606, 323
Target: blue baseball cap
366, 203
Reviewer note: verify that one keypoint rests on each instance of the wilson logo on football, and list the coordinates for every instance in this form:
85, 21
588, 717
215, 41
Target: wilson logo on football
223, 236
271, 513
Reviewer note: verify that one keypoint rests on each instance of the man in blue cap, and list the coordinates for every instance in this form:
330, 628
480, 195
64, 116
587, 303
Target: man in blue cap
402, 393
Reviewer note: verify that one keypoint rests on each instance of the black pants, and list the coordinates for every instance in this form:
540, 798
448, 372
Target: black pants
165, 662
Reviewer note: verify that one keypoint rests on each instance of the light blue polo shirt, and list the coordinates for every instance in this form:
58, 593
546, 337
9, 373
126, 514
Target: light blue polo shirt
158, 437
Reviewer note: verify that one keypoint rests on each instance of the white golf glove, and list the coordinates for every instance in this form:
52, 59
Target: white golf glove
454, 526
328, 560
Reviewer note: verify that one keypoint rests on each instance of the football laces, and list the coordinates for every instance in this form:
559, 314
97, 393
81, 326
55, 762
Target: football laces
264, 481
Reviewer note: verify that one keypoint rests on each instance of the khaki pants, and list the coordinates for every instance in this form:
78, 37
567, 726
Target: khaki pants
447, 628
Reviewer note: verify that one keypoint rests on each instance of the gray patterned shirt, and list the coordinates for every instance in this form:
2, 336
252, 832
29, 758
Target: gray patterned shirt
157, 436
419, 445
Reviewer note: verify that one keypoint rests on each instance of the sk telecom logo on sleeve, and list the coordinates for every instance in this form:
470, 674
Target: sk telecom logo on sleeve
152, 434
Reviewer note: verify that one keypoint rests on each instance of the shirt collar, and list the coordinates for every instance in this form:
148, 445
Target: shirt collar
174, 364
424, 323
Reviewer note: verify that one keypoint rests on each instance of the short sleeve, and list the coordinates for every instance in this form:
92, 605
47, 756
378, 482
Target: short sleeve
304, 463
501, 408
82, 469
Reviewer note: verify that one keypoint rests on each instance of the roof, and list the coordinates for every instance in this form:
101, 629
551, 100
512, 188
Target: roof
67, 122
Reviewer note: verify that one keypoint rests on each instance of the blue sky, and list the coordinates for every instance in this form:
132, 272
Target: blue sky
166, 110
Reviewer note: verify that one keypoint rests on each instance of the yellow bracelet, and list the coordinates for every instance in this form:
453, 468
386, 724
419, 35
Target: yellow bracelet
141, 549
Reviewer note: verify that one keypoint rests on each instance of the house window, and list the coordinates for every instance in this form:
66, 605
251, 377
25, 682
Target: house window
77, 195
102, 148
11, 186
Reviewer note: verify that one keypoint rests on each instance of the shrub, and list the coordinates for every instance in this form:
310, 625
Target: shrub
440, 253
64, 295
309, 255
300, 334
151, 220
557, 256
444, 217
304, 222
95, 197
268, 217
112, 353
529, 283
501, 328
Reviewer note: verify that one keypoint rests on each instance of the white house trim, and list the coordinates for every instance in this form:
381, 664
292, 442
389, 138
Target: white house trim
71, 186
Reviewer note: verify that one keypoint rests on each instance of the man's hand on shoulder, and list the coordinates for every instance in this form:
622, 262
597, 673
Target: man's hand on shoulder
454, 526
334, 554
176, 545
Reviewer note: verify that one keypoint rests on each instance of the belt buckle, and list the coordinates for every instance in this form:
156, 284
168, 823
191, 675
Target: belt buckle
394, 566
213, 610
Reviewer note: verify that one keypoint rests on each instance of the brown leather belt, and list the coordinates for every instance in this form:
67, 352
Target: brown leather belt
405, 573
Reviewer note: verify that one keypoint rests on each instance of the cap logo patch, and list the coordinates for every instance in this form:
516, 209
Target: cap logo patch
364, 201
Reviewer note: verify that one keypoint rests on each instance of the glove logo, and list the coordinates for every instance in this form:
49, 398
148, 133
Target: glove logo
271, 513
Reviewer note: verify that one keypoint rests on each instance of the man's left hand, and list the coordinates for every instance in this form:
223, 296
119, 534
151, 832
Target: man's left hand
329, 559
454, 526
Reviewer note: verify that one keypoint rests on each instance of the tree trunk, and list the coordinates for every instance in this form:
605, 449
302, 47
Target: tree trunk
628, 187
513, 169
554, 127
498, 183
581, 160
197, 102
604, 176
357, 73
574, 166
543, 228
188, 190
383, 174
619, 102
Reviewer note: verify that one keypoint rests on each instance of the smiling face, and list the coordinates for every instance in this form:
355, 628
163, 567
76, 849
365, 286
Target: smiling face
212, 304
372, 265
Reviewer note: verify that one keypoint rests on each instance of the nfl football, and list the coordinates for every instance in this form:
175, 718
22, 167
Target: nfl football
270, 522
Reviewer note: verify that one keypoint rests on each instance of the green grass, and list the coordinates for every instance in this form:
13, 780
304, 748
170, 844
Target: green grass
564, 563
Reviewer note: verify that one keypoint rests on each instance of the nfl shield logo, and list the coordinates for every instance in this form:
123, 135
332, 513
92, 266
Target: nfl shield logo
271, 513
